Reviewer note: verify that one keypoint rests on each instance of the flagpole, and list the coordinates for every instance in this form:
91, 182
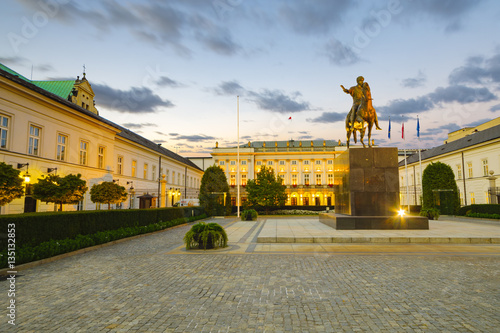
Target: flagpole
238, 157
406, 169
419, 154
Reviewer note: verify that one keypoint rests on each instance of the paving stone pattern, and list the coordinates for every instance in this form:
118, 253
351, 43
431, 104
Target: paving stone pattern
143, 286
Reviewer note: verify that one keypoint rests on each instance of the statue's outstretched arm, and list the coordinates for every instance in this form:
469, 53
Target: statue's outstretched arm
344, 89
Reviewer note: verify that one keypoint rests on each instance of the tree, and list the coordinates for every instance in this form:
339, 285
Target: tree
108, 193
212, 189
439, 176
266, 190
11, 186
60, 190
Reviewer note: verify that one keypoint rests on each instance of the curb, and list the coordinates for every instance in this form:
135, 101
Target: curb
380, 240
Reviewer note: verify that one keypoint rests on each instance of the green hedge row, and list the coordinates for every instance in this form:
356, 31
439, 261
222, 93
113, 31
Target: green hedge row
483, 209
25, 254
35, 228
484, 215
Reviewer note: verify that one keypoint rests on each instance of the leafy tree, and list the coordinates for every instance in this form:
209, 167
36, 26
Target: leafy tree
213, 185
439, 176
266, 190
60, 190
108, 193
11, 186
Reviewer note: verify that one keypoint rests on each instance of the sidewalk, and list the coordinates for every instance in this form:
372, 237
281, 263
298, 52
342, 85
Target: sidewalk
443, 231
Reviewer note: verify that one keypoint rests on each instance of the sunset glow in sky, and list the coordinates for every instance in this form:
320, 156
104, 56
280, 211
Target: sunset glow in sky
172, 70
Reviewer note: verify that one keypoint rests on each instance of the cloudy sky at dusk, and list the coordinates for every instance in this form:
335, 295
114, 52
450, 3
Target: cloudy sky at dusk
171, 70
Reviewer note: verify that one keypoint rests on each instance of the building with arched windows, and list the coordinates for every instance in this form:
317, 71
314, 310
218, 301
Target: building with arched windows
54, 126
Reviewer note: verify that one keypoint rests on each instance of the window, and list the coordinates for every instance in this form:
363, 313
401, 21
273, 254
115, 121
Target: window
294, 179
472, 198
469, 168
4, 131
153, 173
62, 140
459, 171
269, 162
178, 178
318, 179
173, 177
330, 179
461, 199
294, 162
282, 179
329, 162
166, 177
100, 157
259, 163
305, 162
244, 180
243, 162
134, 168
84, 146
233, 180
318, 162
34, 140
119, 168
485, 167
282, 162
145, 171
306, 179
233, 162
221, 163
487, 196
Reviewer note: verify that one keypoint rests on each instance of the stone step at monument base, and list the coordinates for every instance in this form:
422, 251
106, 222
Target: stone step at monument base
347, 222
380, 240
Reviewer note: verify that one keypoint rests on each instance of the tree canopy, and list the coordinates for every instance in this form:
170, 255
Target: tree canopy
266, 190
60, 190
11, 185
108, 193
439, 187
212, 189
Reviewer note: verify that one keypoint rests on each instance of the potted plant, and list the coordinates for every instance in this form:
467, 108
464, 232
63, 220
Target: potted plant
249, 215
431, 213
205, 236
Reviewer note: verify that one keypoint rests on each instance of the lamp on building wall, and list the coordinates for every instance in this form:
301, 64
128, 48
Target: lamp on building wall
49, 170
117, 181
26, 175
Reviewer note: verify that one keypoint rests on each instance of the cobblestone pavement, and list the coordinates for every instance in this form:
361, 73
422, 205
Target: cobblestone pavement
148, 285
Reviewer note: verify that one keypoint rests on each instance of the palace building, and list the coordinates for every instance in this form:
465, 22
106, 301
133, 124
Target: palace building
306, 167
473, 153
55, 127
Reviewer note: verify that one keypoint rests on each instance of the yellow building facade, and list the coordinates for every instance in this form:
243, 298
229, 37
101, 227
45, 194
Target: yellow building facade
306, 167
54, 126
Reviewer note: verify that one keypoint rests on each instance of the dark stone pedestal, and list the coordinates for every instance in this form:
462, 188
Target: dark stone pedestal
367, 195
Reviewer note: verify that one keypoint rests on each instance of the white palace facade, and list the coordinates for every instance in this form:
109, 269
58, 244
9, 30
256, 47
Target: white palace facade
54, 127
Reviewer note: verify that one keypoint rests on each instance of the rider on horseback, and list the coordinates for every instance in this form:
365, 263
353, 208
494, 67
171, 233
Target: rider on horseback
359, 93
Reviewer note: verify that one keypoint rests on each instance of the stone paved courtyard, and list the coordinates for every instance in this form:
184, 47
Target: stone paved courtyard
150, 284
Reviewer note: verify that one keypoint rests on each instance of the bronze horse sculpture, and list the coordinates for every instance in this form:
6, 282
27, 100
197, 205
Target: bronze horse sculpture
365, 116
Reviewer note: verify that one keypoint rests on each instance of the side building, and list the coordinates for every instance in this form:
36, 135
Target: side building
54, 127
306, 167
474, 156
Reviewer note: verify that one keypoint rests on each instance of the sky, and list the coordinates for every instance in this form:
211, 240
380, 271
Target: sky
172, 70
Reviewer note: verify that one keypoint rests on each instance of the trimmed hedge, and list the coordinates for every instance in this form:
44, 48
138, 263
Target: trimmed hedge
32, 229
25, 254
482, 209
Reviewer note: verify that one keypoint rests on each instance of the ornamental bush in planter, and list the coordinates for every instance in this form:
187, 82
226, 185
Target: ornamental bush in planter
205, 236
431, 213
249, 215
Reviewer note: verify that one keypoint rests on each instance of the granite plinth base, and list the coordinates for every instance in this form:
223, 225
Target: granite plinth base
347, 222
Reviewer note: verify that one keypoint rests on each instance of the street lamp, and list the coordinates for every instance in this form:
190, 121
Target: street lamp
26, 175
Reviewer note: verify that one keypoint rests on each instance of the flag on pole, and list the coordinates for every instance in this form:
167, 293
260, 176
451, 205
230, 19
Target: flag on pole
389, 130
290, 118
418, 128
403, 131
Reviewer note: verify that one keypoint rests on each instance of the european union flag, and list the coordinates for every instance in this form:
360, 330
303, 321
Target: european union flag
389, 131
418, 128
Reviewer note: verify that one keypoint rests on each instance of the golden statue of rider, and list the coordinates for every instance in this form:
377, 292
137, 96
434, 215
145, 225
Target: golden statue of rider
360, 93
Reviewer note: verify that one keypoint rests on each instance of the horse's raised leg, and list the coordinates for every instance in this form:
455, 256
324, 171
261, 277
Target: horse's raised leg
362, 134
370, 134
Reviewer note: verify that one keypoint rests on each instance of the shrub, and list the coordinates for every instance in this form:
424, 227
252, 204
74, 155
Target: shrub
431, 213
484, 215
249, 215
205, 236
484, 209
